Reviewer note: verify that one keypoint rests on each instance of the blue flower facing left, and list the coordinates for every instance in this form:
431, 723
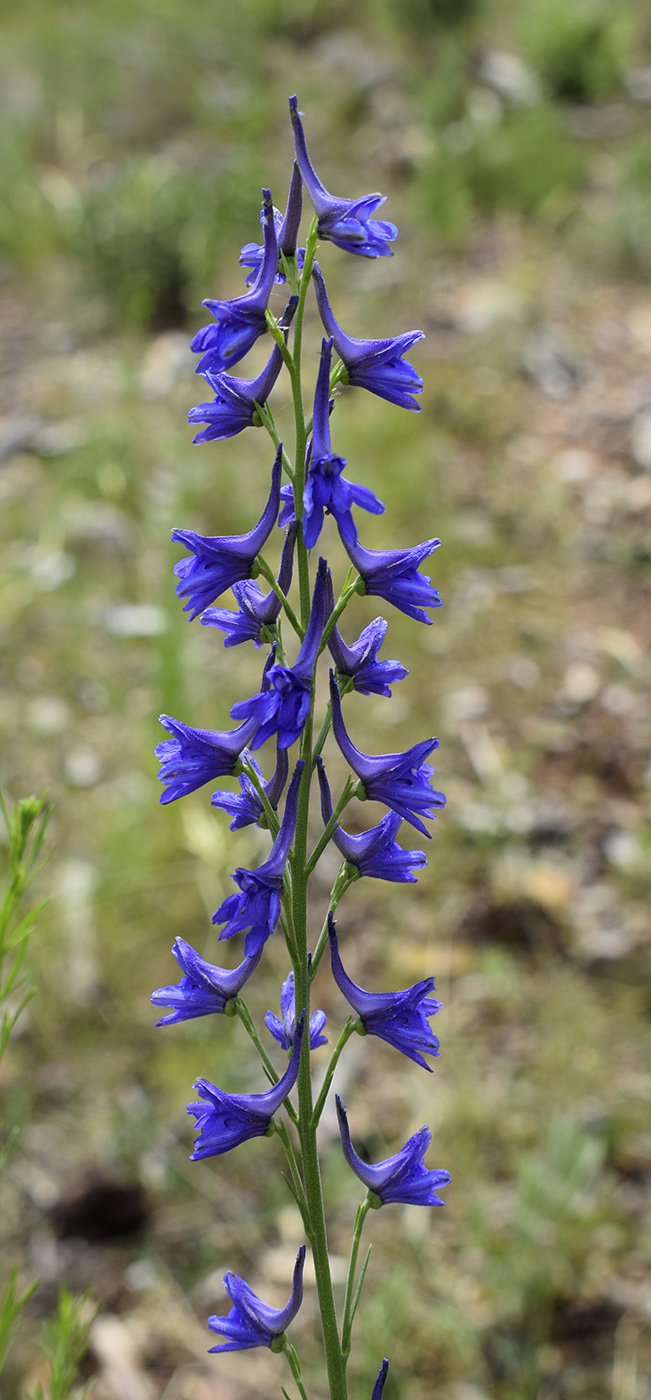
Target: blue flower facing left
241, 321
250, 1322
216, 562
226, 1120
203, 989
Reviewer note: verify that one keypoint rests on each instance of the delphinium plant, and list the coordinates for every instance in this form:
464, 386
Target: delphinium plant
296, 619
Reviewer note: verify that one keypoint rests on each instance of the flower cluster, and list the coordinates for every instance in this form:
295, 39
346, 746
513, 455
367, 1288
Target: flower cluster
316, 504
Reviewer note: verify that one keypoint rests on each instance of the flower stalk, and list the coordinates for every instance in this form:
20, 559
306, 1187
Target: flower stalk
275, 895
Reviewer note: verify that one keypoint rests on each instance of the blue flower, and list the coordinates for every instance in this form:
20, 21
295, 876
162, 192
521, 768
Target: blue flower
376, 365
325, 487
234, 405
375, 853
245, 806
193, 757
378, 1388
284, 1031
359, 662
346, 222
219, 561
399, 780
400, 1018
241, 321
203, 989
402, 1179
257, 906
393, 574
252, 1323
252, 254
231, 1119
258, 611
369, 676
283, 708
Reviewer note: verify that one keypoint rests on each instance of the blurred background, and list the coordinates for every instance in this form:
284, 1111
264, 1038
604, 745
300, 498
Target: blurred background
513, 142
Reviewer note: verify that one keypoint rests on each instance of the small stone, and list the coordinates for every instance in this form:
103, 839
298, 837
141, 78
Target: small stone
574, 464
469, 703
508, 76
524, 672
47, 714
134, 620
82, 768
580, 683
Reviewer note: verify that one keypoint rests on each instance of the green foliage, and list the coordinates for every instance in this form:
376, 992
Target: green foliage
517, 164
64, 1343
579, 49
26, 825
421, 15
539, 1258
151, 237
10, 1310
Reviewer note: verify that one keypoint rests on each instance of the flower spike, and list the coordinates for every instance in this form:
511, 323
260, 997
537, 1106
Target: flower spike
231, 1119
203, 989
403, 1178
376, 852
250, 1322
345, 222
257, 906
241, 321
217, 562
399, 780
283, 1031
376, 365
400, 1018
287, 227
234, 407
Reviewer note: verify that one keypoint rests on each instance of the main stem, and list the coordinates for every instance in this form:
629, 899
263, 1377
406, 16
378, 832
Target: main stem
335, 1363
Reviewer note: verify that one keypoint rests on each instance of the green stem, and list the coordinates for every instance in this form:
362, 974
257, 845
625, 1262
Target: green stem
268, 573
295, 1366
334, 1061
351, 1298
349, 788
322, 735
